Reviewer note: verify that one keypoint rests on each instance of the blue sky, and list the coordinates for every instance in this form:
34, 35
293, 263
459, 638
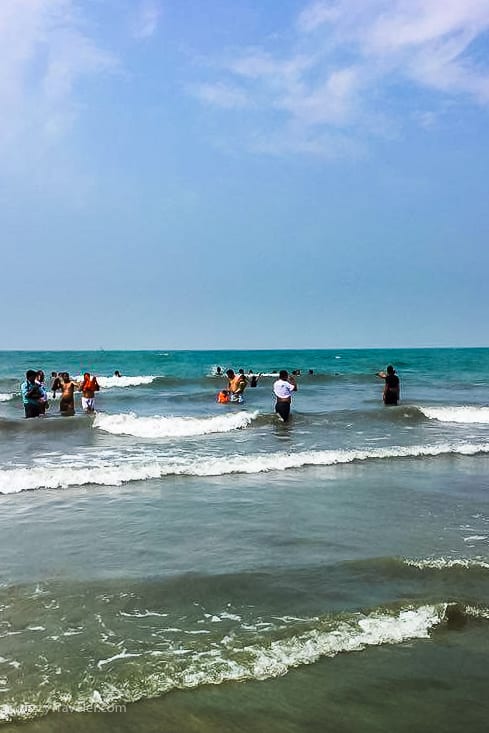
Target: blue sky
244, 173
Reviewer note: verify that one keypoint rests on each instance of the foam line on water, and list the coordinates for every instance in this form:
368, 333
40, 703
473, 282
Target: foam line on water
118, 470
442, 563
457, 414
230, 659
171, 427
135, 381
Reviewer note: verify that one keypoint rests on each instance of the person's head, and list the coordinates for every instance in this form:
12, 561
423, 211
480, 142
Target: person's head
225, 392
283, 374
218, 370
30, 375
230, 374
40, 375
117, 373
66, 377
310, 371
241, 371
390, 369
86, 375
54, 374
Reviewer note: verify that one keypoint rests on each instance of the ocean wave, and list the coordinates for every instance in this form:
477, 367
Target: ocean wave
458, 414
109, 382
442, 563
5, 397
52, 422
233, 658
119, 471
171, 427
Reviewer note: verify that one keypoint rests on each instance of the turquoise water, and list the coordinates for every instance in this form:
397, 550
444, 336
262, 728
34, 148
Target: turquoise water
225, 571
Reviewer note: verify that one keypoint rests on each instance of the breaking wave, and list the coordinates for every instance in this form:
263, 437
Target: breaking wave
119, 470
4, 397
235, 657
171, 427
442, 563
109, 382
460, 414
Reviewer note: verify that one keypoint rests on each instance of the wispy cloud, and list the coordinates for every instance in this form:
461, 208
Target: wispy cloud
147, 19
348, 61
315, 15
222, 95
45, 50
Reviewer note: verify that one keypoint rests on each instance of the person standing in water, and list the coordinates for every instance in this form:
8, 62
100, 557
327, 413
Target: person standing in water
253, 378
67, 402
55, 383
88, 388
31, 395
236, 385
392, 386
283, 388
40, 381
243, 381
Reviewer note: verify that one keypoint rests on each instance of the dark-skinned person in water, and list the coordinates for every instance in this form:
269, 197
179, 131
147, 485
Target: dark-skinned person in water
392, 386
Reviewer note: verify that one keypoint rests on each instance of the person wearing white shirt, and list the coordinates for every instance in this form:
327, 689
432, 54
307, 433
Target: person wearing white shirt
283, 388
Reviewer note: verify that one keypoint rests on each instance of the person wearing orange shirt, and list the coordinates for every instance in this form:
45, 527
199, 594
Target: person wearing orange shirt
88, 388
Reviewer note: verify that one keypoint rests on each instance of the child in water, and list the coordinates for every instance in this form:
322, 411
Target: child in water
223, 396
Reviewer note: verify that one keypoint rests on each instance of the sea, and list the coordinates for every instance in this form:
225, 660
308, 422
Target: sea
175, 564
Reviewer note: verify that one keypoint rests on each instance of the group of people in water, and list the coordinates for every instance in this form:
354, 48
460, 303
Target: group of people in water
35, 393
283, 388
286, 385
237, 384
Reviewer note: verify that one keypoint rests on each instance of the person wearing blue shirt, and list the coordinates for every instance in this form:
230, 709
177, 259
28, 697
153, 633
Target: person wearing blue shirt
31, 395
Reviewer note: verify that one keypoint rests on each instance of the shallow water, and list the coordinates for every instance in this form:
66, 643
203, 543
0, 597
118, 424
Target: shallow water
208, 568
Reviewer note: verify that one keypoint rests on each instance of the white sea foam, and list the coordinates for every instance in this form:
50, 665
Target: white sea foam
171, 427
123, 655
440, 563
458, 414
109, 382
116, 471
4, 397
477, 612
257, 661
277, 658
141, 614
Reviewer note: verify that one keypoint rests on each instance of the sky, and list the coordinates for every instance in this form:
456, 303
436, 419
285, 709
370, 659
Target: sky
179, 174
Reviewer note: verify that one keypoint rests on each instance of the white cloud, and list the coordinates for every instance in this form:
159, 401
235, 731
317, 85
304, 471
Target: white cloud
148, 19
315, 15
45, 50
256, 64
331, 102
221, 95
349, 60
293, 139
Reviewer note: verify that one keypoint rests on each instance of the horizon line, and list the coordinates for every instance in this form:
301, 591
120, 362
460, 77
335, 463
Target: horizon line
186, 350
